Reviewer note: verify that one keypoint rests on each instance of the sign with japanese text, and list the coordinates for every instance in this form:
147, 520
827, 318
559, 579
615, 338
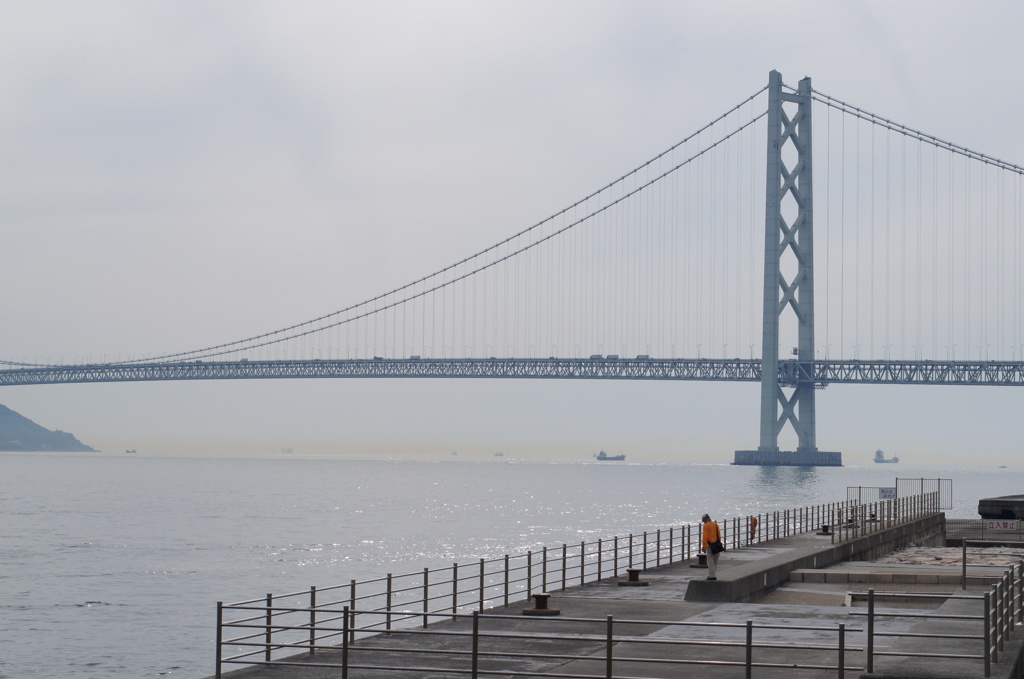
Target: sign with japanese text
1002, 524
886, 493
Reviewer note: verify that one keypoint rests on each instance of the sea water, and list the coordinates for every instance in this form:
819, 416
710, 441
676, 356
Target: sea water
112, 566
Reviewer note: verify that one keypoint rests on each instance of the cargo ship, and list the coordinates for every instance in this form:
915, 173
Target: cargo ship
610, 458
880, 458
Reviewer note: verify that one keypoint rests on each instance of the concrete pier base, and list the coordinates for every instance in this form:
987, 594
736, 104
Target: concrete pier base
785, 458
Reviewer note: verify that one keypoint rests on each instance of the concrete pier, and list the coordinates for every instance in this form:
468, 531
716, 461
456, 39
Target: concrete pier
782, 458
1004, 507
799, 581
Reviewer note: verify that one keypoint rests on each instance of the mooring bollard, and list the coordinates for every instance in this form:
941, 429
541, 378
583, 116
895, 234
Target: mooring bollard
540, 600
634, 578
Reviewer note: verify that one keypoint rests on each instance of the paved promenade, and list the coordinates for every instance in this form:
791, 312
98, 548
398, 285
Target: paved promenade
818, 599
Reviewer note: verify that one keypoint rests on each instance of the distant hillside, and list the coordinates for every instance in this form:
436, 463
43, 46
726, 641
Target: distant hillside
18, 433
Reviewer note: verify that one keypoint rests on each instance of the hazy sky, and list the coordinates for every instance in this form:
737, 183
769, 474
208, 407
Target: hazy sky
177, 174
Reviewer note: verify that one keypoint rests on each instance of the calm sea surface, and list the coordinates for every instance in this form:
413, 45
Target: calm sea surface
112, 566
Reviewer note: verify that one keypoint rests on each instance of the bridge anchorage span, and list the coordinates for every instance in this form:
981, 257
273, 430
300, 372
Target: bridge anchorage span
922, 246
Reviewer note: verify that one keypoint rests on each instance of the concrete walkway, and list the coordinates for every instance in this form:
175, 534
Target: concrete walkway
652, 616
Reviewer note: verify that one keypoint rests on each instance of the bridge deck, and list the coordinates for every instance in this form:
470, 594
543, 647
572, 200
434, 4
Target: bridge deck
821, 373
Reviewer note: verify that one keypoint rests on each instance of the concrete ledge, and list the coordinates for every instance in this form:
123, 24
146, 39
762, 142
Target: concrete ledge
748, 581
901, 576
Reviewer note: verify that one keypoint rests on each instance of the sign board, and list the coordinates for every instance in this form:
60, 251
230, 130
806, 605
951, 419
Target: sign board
886, 493
1002, 524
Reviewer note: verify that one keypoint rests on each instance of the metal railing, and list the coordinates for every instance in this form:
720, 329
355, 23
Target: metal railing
293, 620
482, 644
859, 519
964, 560
977, 530
1002, 611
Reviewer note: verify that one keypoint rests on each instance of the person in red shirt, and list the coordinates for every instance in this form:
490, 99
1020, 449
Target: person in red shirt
711, 534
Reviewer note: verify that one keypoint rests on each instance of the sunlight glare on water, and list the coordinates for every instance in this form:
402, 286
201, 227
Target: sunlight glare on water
112, 566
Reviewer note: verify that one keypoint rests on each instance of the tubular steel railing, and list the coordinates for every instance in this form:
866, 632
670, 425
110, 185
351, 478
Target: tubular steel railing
976, 530
1002, 612
502, 643
859, 519
308, 619
964, 554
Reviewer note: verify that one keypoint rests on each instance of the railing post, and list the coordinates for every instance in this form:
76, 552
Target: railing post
476, 644
750, 649
269, 622
836, 525
388, 597
352, 603
1000, 614
345, 632
529, 573
507, 576
544, 571
312, 620
1008, 610
220, 638
455, 589
426, 596
482, 584
645, 550
1020, 592
991, 655
583, 562
565, 556
871, 630
963, 564
671, 544
657, 549
600, 556
630, 550
842, 650
615, 555
609, 636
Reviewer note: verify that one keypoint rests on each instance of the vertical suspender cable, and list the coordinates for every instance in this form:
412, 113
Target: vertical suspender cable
856, 248
935, 249
951, 249
920, 264
966, 323
842, 236
828, 215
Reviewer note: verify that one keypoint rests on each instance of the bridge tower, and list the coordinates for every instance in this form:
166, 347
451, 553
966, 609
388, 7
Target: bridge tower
788, 281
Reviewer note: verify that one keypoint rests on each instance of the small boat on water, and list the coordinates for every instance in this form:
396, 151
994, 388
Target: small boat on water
881, 459
131, 451
609, 458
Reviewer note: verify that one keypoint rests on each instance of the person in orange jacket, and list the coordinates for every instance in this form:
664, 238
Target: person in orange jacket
711, 534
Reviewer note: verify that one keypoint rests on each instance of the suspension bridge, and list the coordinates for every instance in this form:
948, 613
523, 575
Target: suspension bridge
856, 250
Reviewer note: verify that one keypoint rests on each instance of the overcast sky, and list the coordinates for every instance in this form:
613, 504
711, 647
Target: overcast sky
177, 174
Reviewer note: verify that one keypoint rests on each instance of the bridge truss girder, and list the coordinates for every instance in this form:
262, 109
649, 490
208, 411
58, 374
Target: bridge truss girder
790, 372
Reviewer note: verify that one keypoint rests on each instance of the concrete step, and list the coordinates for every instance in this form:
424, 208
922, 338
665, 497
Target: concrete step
903, 575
